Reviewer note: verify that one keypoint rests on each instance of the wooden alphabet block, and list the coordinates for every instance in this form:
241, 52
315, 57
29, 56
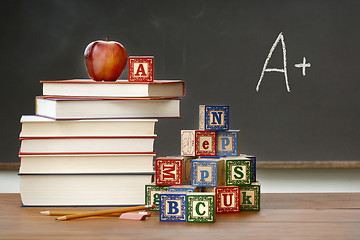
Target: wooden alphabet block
198, 143
141, 69
173, 207
201, 207
207, 172
213, 117
250, 197
228, 143
253, 166
183, 188
152, 192
172, 170
227, 199
238, 171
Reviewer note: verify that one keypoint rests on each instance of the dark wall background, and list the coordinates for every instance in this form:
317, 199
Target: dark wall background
218, 48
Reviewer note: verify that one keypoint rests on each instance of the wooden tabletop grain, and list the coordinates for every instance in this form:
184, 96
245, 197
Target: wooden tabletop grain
283, 216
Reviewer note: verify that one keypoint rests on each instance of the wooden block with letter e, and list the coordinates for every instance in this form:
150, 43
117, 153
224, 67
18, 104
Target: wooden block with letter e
175, 170
250, 197
253, 166
172, 207
227, 199
207, 172
228, 143
201, 207
141, 69
238, 171
213, 118
152, 192
198, 143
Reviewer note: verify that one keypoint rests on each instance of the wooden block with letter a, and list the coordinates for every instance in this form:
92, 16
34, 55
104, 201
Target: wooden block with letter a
172, 207
228, 143
250, 197
207, 172
141, 69
238, 171
213, 118
201, 207
174, 170
198, 143
227, 199
152, 192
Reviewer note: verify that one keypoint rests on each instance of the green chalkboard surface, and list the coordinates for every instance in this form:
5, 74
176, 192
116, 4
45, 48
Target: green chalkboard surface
289, 70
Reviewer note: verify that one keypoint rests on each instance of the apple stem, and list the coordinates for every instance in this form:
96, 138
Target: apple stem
107, 38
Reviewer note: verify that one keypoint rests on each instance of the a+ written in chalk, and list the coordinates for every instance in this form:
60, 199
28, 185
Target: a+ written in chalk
303, 65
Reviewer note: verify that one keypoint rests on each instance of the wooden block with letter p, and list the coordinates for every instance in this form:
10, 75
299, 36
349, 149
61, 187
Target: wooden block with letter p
238, 171
213, 118
250, 197
228, 143
198, 143
152, 192
174, 170
207, 172
201, 207
141, 69
227, 199
172, 207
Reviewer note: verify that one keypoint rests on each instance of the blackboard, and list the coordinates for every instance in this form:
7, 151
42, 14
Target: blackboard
219, 49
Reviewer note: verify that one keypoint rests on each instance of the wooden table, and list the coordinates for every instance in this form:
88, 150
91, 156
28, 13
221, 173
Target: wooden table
283, 216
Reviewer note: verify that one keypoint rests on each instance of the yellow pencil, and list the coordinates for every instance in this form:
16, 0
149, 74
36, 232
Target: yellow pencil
71, 212
105, 212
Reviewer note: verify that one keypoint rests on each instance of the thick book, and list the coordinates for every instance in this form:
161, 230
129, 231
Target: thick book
42, 126
119, 88
83, 189
84, 145
97, 108
86, 163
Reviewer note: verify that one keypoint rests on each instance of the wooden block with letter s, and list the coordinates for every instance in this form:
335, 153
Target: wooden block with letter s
141, 69
238, 171
213, 118
201, 207
173, 170
173, 207
198, 143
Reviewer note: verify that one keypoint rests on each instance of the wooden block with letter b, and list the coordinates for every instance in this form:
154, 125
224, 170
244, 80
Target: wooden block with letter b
250, 197
198, 143
201, 207
228, 143
152, 192
227, 199
238, 171
207, 172
173, 207
141, 69
213, 118
174, 170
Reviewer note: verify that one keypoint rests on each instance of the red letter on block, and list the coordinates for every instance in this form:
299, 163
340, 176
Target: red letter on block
141, 69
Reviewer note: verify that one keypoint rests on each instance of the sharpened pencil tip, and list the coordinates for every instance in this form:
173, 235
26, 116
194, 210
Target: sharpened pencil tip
61, 218
45, 212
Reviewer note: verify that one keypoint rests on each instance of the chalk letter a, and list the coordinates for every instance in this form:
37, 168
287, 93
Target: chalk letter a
283, 70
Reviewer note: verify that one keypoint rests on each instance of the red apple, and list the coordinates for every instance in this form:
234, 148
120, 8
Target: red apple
105, 60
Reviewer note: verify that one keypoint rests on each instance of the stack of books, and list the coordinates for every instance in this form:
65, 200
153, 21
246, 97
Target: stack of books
92, 143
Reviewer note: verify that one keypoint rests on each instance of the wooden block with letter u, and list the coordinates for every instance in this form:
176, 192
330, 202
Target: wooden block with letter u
141, 69
227, 199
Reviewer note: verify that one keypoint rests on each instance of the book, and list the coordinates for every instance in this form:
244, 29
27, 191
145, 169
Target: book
42, 126
95, 108
70, 145
119, 88
83, 189
86, 163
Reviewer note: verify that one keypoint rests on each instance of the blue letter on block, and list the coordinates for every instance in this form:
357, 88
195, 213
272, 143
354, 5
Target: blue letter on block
172, 207
204, 173
216, 118
228, 143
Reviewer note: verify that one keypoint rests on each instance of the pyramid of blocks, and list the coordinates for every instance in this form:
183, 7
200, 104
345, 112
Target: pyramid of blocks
209, 177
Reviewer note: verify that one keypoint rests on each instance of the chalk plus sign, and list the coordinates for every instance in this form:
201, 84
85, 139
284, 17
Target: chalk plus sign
303, 65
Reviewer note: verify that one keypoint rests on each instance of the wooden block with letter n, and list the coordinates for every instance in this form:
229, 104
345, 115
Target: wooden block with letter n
201, 207
228, 143
141, 69
172, 170
152, 192
213, 118
198, 143
238, 171
250, 197
227, 199
207, 172
172, 207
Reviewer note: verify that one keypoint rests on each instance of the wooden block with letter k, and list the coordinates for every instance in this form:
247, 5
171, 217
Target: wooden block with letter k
213, 118
141, 69
174, 170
